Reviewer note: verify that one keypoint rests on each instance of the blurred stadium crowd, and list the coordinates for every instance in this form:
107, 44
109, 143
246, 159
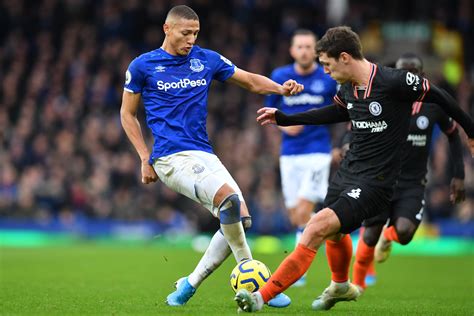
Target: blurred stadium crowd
64, 155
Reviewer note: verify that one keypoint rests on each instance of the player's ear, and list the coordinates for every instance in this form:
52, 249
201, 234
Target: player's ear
166, 28
292, 50
344, 57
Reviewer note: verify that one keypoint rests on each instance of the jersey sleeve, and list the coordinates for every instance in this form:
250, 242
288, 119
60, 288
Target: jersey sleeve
222, 68
134, 79
274, 100
410, 87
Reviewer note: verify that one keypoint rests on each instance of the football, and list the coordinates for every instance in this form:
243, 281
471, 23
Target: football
250, 275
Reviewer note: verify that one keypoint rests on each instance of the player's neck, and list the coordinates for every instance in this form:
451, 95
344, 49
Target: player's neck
168, 48
305, 71
361, 70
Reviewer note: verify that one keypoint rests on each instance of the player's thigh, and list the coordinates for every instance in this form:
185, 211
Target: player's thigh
380, 219
195, 174
410, 204
220, 171
356, 203
314, 183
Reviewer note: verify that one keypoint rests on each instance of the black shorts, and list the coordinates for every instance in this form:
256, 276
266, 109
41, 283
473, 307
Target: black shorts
407, 201
353, 201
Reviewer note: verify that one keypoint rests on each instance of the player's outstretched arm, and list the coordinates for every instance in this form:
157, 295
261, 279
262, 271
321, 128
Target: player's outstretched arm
263, 85
450, 106
326, 115
128, 117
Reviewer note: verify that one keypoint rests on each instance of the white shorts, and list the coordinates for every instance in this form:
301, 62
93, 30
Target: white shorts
195, 174
304, 176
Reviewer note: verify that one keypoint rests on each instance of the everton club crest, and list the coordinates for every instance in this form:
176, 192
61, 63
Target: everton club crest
196, 65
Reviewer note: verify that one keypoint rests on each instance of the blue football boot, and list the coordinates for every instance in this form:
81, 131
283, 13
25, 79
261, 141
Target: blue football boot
184, 291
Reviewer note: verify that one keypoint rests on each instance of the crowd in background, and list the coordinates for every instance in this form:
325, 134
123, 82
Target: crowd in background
63, 153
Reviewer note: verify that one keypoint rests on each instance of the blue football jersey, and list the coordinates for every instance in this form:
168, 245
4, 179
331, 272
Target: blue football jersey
174, 91
319, 90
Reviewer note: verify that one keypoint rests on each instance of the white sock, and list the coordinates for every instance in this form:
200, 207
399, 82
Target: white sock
259, 298
235, 236
217, 251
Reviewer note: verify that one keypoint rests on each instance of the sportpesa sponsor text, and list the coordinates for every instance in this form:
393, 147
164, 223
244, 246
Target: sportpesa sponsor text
181, 84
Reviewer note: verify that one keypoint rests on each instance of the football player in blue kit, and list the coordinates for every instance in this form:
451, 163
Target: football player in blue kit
305, 160
173, 81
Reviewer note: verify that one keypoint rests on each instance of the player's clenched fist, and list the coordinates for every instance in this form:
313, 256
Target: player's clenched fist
148, 173
471, 145
291, 87
266, 116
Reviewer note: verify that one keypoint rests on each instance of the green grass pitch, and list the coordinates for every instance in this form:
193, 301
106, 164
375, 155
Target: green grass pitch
124, 280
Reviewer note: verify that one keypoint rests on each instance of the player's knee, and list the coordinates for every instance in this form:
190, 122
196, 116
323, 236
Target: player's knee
405, 230
323, 224
405, 234
246, 222
229, 209
371, 235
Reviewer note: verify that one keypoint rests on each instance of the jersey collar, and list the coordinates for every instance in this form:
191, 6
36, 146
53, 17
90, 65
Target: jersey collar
368, 89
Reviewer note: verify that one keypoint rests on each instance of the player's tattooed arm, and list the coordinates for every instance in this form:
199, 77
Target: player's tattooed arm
263, 85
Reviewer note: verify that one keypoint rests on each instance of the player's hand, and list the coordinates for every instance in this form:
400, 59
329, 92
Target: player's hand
266, 116
470, 141
458, 194
291, 87
148, 173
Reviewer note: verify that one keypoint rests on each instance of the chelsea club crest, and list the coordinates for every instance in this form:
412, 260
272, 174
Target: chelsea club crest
196, 65
422, 122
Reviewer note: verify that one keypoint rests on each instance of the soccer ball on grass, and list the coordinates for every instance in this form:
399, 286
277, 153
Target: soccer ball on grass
250, 275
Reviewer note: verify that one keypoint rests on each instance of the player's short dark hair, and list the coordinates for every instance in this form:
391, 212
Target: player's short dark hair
303, 32
411, 57
182, 11
338, 40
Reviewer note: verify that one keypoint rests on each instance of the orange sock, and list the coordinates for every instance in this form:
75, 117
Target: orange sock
391, 234
339, 255
363, 260
289, 271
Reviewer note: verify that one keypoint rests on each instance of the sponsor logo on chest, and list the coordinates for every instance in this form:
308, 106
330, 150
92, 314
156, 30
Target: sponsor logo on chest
374, 126
180, 84
375, 109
